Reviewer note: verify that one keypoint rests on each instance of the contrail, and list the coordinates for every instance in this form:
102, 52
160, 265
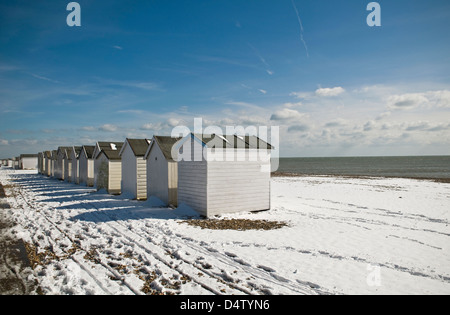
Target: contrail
301, 28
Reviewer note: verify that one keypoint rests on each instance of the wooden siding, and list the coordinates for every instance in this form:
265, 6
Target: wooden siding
141, 181
115, 177
157, 174
101, 172
86, 167
225, 181
75, 176
192, 182
173, 183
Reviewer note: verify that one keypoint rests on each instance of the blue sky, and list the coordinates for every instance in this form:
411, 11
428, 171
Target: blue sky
333, 85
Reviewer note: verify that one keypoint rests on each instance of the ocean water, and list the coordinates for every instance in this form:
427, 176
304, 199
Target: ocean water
437, 167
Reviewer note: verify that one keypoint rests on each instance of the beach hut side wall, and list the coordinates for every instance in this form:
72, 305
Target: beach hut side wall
29, 163
129, 166
192, 178
157, 174
237, 185
101, 173
115, 177
86, 170
141, 178
75, 177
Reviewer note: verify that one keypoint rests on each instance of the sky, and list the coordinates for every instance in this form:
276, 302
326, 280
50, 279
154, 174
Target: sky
333, 85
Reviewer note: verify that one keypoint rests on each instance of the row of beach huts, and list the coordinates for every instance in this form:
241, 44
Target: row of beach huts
212, 174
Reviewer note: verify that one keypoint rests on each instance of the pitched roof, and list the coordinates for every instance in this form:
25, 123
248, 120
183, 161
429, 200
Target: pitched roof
71, 150
110, 149
139, 146
28, 156
165, 144
233, 141
89, 150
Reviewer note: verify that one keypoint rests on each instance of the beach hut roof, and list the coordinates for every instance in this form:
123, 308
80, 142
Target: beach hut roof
110, 149
165, 144
138, 146
88, 150
232, 141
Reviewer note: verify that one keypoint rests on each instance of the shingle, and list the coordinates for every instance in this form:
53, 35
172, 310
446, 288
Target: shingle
139, 146
166, 144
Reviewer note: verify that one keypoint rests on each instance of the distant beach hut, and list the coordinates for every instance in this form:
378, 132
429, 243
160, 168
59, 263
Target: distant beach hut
54, 159
29, 161
40, 166
74, 154
108, 167
86, 165
16, 163
47, 163
134, 168
162, 170
61, 156
224, 174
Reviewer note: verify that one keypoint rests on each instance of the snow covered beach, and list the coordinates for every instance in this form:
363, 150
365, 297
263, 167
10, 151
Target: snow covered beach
343, 236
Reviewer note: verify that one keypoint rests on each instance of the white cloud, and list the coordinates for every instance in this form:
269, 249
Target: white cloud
4, 142
439, 98
407, 101
108, 128
328, 92
287, 114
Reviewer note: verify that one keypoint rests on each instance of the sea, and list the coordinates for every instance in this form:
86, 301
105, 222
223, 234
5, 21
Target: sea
429, 167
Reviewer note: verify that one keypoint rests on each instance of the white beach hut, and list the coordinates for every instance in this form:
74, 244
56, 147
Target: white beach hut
224, 174
162, 170
28, 161
74, 154
108, 167
61, 156
47, 163
40, 167
86, 165
134, 168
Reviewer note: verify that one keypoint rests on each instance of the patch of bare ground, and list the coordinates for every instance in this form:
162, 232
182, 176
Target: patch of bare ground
236, 224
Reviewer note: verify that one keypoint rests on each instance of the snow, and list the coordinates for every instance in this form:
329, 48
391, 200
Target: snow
344, 236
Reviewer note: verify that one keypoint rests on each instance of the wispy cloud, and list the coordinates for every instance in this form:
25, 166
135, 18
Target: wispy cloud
118, 47
262, 59
40, 77
330, 91
301, 28
108, 128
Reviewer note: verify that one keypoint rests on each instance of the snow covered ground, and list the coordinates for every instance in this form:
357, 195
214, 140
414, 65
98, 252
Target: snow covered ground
344, 236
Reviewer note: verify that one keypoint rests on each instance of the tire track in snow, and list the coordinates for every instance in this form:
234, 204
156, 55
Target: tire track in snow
65, 235
264, 274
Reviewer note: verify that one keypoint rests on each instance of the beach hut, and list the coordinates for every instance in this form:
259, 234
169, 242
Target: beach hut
223, 174
162, 170
41, 163
10, 163
61, 156
67, 164
134, 168
86, 165
108, 167
54, 159
29, 161
74, 154
47, 163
